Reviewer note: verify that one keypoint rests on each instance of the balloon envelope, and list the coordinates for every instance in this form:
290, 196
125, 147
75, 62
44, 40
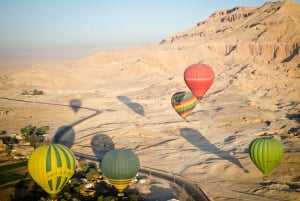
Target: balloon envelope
199, 78
120, 167
266, 153
183, 103
51, 166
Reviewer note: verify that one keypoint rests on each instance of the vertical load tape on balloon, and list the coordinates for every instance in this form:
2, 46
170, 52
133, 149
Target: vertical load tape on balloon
266, 153
51, 166
120, 167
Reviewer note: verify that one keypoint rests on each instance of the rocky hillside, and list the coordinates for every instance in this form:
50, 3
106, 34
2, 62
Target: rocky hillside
242, 43
270, 33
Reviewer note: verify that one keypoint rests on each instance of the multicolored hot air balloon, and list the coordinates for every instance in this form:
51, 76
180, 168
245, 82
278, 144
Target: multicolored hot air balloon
266, 152
183, 103
199, 78
120, 167
51, 166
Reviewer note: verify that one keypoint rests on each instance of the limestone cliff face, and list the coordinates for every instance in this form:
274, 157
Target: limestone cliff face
270, 33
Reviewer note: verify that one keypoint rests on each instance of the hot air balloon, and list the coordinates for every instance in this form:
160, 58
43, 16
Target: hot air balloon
51, 166
120, 167
266, 152
199, 78
183, 103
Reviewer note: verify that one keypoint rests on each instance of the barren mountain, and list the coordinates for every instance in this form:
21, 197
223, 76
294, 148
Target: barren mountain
270, 33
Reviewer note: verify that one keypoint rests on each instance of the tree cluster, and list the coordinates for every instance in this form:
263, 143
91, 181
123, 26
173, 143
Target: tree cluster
33, 92
34, 135
75, 189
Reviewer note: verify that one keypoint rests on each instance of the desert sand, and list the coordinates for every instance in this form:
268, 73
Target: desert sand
121, 99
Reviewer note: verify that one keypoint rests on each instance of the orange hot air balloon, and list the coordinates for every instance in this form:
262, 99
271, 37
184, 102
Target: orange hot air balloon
199, 78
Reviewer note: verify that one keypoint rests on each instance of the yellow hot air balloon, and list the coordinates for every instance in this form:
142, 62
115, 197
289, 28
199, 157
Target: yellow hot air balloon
51, 166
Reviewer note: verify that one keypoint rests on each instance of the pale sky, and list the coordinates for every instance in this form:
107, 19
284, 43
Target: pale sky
68, 28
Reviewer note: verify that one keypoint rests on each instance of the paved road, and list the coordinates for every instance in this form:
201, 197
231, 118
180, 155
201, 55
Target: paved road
194, 191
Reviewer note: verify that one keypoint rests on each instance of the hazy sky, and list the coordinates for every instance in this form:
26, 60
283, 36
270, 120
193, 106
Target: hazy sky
37, 28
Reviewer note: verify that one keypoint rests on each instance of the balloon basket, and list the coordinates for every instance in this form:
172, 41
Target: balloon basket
53, 198
266, 178
120, 194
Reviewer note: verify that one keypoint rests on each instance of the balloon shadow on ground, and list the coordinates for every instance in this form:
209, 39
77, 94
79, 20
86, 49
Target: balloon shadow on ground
101, 144
199, 141
75, 104
135, 107
158, 193
64, 135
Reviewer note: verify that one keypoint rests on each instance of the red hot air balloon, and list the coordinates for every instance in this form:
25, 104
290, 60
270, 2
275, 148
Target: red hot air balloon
199, 78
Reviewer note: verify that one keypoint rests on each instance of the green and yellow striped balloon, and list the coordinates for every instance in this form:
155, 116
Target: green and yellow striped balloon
119, 167
183, 103
51, 166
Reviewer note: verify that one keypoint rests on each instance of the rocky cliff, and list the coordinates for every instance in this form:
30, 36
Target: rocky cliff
270, 33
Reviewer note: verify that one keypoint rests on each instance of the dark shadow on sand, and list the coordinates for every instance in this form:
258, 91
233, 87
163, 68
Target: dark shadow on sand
64, 135
294, 116
135, 107
199, 141
75, 104
101, 144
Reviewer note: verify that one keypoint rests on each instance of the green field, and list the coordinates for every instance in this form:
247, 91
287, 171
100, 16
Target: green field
7, 176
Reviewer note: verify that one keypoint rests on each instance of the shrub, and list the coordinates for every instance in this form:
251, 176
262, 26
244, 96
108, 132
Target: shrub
33, 92
3, 132
37, 92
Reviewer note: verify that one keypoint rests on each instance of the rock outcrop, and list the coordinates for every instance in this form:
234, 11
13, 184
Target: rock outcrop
270, 33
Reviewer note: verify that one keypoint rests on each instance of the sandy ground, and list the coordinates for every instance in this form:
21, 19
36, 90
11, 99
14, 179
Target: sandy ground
133, 111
